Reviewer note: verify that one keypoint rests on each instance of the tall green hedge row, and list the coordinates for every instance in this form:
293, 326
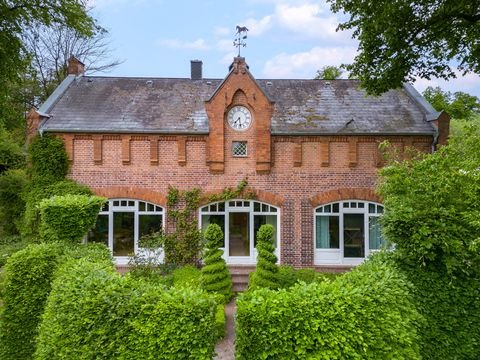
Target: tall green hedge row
94, 313
69, 217
27, 278
365, 314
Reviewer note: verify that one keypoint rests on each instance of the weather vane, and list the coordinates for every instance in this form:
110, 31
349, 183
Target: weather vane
240, 37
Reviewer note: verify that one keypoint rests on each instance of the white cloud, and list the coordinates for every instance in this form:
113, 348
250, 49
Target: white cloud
199, 44
221, 31
469, 83
305, 64
258, 27
225, 45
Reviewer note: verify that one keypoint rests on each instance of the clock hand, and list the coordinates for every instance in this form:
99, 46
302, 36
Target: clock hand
239, 120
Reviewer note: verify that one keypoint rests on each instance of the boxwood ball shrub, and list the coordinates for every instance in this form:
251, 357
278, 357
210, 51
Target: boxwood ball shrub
27, 279
69, 217
215, 277
94, 313
266, 273
365, 314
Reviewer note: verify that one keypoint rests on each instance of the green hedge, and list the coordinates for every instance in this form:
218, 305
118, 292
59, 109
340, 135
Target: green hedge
27, 278
93, 313
12, 205
48, 158
69, 217
9, 245
365, 314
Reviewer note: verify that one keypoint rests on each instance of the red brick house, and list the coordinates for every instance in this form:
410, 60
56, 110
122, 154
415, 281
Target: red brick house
309, 149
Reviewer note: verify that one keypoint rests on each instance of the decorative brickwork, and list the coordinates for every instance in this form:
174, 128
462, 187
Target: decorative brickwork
131, 192
307, 234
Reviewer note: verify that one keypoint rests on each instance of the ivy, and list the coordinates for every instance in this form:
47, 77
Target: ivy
241, 191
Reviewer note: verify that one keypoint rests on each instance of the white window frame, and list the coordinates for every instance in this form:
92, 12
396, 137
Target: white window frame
132, 205
242, 205
335, 256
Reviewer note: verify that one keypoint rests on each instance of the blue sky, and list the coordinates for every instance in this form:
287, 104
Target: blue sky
286, 38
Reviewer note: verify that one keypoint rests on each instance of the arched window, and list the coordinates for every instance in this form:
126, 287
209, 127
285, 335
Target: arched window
240, 221
122, 222
347, 231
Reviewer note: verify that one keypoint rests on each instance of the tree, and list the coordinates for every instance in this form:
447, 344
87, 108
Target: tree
51, 47
459, 105
329, 72
266, 273
17, 17
402, 40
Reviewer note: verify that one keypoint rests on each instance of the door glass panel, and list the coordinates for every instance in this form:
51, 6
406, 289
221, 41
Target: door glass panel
354, 235
259, 220
214, 219
149, 224
239, 234
123, 233
99, 234
327, 232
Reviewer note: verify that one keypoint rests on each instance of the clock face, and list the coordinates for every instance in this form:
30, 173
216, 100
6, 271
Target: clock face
239, 118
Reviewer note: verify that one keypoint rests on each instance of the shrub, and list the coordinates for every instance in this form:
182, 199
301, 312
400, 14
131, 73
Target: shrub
105, 316
27, 282
265, 275
365, 314
12, 205
10, 245
11, 153
68, 218
148, 262
187, 276
48, 159
287, 276
35, 193
216, 277
220, 322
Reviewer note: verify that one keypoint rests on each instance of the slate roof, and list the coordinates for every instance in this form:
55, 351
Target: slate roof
166, 105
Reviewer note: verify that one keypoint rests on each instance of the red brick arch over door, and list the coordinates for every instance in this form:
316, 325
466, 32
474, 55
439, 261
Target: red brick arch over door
260, 195
127, 192
345, 194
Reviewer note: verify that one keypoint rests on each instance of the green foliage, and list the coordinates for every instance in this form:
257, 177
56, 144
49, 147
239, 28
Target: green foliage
37, 192
265, 275
147, 262
186, 277
329, 72
11, 154
458, 105
288, 276
184, 245
27, 278
365, 314
68, 218
220, 322
12, 205
9, 245
215, 274
403, 40
48, 159
432, 207
106, 316
241, 191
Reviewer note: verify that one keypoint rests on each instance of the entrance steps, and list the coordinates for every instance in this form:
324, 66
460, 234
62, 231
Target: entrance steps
240, 275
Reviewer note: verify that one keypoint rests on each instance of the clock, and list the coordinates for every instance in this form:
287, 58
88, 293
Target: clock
239, 118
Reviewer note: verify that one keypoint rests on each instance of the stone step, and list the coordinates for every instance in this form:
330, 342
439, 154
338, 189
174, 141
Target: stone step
240, 275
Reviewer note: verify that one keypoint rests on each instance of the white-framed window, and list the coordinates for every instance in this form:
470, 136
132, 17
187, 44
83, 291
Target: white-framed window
240, 221
122, 222
345, 232
239, 148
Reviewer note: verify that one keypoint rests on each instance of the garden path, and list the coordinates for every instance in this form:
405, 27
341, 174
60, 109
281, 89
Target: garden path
225, 349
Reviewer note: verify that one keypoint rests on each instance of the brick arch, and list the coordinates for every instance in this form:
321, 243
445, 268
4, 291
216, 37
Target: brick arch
131, 193
344, 194
260, 195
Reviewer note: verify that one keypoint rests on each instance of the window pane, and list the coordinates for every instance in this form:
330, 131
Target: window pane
379, 209
150, 207
256, 206
371, 208
319, 210
361, 205
123, 203
239, 234
335, 208
99, 234
141, 206
214, 219
376, 240
328, 208
131, 203
346, 205
123, 233
259, 220
264, 208
205, 209
272, 209
116, 203
149, 224
221, 207
213, 208
354, 235
327, 232
105, 206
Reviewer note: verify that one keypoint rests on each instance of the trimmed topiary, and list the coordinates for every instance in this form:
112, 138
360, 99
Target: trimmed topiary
68, 218
215, 275
266, 273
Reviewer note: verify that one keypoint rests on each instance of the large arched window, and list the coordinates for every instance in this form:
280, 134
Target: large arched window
240, 221
347, 231
122, 222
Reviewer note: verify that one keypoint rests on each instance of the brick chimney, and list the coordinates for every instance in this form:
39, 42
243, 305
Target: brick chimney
75, 66
196, 69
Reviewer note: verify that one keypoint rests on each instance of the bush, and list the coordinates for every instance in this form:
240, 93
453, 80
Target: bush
35, 193
187, 276
68, 218
12, 205
265, 275
365, 314
48, 159
287, 276
93, 313
10, 245
220, 322
216, 277
11, 153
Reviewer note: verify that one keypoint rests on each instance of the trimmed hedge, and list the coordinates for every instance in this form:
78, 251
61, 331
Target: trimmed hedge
94, 313
69, 217
266, 272
27, 282
365, 314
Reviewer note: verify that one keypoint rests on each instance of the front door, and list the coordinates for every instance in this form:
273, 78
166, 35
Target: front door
239, 239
